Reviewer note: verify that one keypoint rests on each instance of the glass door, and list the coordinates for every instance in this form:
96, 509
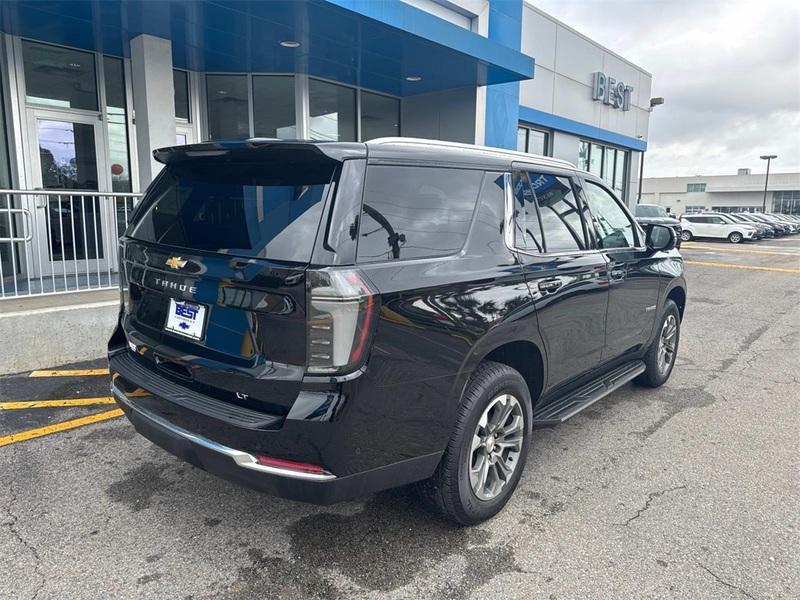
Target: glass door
69, 157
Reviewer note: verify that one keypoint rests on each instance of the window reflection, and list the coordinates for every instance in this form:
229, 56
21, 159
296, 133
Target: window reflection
614, 227
228, 107
333, 111
274, 107
114, 76
558, 210
180, 82
413, 212
380, 116
60, 77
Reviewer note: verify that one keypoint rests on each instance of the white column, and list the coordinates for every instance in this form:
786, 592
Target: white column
153, 101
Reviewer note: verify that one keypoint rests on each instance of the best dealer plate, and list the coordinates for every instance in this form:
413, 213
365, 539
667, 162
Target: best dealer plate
186, 318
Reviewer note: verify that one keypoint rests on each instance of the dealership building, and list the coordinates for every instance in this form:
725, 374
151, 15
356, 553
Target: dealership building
743, 192
90, 88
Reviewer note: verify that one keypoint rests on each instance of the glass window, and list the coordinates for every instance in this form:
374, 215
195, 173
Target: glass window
537, 142
695, 187
619, 171
67, 155
61, 77
228, 108
272, 211
120, 164
528, 230
613, 226
559, 213
274, 114
415, 212
534, 141
583, 155
180, 81
694, 209
333, 111
522, 139
380, 116
650, 211
595, 159
609, 157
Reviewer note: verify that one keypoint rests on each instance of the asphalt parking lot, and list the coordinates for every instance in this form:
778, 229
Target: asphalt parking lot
688, 491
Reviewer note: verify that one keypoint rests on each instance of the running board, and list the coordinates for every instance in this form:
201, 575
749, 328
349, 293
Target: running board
559, 411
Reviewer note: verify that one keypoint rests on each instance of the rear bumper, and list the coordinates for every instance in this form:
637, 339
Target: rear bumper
241, 467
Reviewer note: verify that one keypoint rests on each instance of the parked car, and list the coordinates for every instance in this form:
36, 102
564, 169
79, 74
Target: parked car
757, 218
783, 220
648, 214
715, 226
766, 231
321, 321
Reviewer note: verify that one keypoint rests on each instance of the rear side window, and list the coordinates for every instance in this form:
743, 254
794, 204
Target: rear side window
243, 209
416, 212
547, 214
559, 212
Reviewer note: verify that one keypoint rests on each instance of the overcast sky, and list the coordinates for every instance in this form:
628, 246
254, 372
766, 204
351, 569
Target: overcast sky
729, 71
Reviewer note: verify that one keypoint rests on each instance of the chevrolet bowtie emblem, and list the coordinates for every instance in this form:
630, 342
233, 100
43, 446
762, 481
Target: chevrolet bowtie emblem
176, 262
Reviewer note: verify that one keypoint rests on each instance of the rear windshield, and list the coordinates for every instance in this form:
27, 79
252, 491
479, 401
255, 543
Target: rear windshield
244, 209
648, 210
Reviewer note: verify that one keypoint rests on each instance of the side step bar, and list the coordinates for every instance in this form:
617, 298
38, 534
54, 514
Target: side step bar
559, 411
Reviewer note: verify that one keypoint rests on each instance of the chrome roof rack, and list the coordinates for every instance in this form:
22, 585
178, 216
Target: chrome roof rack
512, 154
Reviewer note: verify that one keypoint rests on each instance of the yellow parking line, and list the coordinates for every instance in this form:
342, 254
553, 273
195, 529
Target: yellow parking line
69, 373
691, 246
23, 404
730, 266
63, 426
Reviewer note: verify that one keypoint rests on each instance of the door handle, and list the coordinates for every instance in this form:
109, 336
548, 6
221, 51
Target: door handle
618, 273
549, 285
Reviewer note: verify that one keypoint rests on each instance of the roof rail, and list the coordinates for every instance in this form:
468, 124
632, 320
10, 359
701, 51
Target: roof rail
500, 151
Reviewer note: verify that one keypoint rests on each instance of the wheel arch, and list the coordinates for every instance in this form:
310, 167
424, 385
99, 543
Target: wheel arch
678, 295
524, 355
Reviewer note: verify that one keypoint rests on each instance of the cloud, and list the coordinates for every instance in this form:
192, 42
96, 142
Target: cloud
729, 71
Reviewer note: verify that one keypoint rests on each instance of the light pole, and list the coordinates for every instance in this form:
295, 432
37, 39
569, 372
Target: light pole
653, 103
768, 158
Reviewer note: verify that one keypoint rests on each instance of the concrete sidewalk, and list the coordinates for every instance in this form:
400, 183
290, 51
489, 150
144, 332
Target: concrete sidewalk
42, 331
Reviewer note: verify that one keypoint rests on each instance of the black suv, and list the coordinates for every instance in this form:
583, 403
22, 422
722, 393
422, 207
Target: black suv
325, 320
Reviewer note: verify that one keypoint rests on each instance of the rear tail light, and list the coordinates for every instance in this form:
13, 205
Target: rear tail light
341, 312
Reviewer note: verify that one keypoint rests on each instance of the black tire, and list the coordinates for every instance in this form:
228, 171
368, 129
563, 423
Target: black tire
686, 236
735, 238
449, 491
655, 374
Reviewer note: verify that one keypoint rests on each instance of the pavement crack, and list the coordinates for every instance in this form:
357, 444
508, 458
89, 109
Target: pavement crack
725, 583
12, 526
650, 498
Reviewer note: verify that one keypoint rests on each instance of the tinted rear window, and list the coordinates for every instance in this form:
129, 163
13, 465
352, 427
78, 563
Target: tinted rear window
416, 212
244, 209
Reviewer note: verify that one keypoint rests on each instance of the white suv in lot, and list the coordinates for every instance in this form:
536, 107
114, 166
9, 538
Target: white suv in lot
710, 225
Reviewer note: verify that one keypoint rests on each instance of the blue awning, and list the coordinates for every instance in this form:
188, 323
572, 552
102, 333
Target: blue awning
372, 43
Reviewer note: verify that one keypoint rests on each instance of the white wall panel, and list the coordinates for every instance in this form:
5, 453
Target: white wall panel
576, 57
539, 38
538, 92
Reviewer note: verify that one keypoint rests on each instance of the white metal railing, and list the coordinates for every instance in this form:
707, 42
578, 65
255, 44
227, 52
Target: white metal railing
57, 241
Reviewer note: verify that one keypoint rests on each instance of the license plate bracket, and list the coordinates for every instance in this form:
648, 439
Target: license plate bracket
187, 319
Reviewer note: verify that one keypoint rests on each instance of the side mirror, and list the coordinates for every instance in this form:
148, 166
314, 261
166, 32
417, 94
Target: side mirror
660, 238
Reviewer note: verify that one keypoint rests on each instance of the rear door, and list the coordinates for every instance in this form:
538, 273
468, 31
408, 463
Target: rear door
214, 269
566, 277
633, 273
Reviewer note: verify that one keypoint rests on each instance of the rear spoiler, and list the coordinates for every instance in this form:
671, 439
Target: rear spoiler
259, 149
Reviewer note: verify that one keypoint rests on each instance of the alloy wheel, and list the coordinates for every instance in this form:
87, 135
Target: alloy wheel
667, 343
736, 238
496, 446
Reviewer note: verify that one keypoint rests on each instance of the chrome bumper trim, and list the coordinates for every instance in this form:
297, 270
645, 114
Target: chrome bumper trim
241, 458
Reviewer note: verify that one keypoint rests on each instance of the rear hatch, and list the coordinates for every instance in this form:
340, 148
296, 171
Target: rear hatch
213, 271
